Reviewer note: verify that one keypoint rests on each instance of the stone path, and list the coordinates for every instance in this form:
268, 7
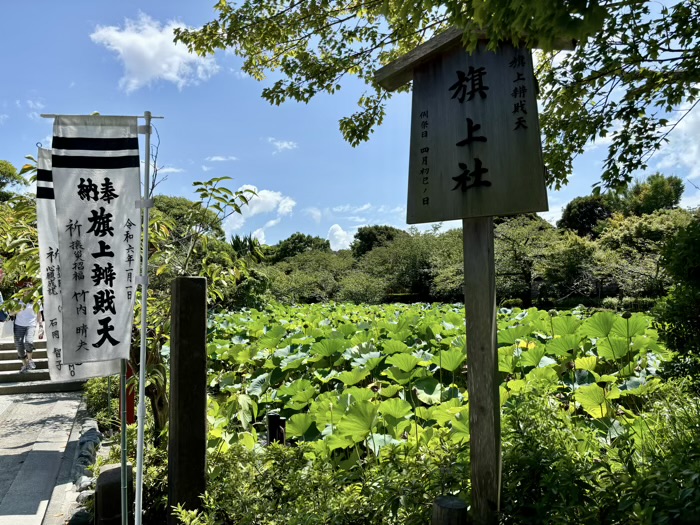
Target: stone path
34, 433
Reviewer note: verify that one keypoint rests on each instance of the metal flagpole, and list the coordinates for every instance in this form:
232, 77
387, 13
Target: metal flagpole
125, 479
145, 205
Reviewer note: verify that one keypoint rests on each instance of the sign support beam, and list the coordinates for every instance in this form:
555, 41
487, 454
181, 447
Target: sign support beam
144, 322
482, 369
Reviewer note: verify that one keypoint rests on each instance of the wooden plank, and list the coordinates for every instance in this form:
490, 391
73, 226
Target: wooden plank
399, 72
441, 113
187, 437
449, 510
482, 371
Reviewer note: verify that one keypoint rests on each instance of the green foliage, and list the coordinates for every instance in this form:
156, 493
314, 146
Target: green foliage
369, 237
309, 277
296, 244
634, 62
97, 392
631, 249
378, 416
522, 244
8, 177
583, 214
294, 486
678, 314
657, 192
570, 269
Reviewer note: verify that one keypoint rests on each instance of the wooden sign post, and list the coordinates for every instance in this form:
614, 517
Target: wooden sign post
475, 153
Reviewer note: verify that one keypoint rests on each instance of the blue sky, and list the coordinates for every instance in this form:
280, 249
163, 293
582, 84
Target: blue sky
118, 58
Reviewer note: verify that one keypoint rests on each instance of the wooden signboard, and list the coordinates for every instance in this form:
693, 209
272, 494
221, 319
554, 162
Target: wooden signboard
475, 153
475, 138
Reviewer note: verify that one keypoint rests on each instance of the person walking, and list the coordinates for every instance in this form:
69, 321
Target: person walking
26, 322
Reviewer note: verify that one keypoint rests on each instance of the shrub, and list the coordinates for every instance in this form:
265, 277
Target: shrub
638, 304
512, 303
96, 396
611, 303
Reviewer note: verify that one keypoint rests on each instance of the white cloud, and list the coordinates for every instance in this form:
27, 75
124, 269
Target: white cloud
3, 118
690, 200
206, 168
148, 53
220, 158
553, 215
349, 208
259, 234
164, 171
265, 201
273, 222
281, 145
314, 213
339, 238
286, 206
35, 105
683, 149
386, 209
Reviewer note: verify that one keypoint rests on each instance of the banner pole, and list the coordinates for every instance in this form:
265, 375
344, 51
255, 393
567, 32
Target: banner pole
144, 325
122, 397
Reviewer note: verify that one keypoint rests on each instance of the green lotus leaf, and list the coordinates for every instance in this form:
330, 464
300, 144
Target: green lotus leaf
533, 356
636, 325
294, 387
509, 336
565, 345
358, 422
390, 390
599, 325
377, 442
395, 407
613, 348
395, 347
565, 324
428, 390
329, 347
352, 377
451, 359
405, 362
299, 424
258, 385
358, 393
594, 401
507, 359
586, 363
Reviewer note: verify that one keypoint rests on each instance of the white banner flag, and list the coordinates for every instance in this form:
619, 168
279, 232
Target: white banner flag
51, 282
96, 176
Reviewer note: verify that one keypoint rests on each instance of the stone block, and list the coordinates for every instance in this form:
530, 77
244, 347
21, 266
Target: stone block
108, 508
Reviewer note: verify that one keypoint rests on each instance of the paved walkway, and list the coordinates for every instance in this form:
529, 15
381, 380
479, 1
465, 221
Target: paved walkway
35, 438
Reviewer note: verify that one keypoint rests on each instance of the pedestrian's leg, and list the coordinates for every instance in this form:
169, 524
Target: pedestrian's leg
19, 332
29, 346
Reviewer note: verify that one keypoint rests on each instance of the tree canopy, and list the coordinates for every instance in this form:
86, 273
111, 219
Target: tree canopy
295, 244
635, 63
369, 237
8, 176
583, 214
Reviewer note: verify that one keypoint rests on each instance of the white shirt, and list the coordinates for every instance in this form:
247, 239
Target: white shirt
27, 317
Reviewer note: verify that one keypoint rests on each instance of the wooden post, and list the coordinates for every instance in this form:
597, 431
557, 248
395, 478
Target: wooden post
482, 362
449, 510
187, 446
276, 429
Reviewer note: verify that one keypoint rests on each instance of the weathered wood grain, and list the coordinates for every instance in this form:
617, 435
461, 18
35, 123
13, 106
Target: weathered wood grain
482, 369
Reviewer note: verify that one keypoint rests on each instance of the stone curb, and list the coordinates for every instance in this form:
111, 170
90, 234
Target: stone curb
78, 485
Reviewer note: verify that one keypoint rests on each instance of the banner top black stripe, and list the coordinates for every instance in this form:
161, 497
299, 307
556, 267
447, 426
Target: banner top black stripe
44, 175
44, 193
95, 144
95, 163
